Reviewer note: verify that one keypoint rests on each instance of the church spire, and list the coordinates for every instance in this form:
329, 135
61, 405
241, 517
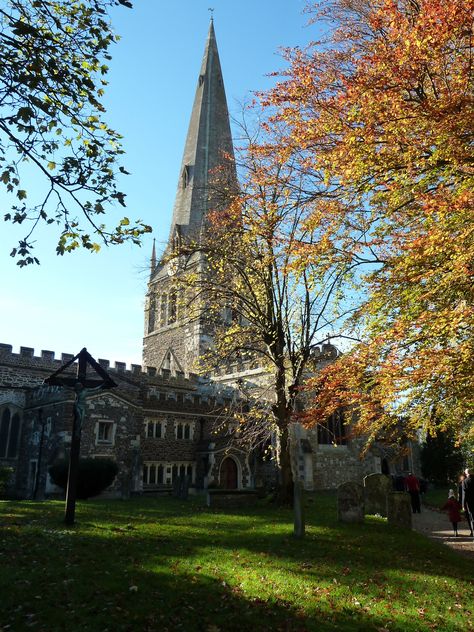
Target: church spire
208, 145
153, 259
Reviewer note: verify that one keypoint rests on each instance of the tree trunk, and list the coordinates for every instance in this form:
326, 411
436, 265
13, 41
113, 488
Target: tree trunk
284, 493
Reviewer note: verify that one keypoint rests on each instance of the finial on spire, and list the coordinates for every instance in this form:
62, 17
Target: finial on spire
211, 9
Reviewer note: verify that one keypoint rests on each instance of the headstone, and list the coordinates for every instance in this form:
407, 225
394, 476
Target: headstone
184, 487
176, 486
181, 487
350, 502
299, 526
377, 487
399, 509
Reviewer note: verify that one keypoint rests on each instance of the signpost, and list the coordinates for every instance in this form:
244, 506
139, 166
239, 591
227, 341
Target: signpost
83, 386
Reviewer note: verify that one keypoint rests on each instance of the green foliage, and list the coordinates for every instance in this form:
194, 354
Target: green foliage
5, 473
441, 460
162, 564
52, 77
94, 475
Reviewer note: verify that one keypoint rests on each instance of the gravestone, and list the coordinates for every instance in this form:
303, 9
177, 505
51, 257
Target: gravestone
184, 487
399, 509
350, 502
377, 487
181, 487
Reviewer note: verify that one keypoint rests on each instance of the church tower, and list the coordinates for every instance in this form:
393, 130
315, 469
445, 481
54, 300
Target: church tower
171, 342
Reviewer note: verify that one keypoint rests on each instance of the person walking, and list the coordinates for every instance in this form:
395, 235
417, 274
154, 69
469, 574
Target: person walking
412, 485
453, 507
468, 499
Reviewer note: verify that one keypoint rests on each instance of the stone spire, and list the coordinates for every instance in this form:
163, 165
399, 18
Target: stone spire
208, 146
153, 259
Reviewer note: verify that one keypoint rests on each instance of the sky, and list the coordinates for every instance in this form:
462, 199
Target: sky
96, 300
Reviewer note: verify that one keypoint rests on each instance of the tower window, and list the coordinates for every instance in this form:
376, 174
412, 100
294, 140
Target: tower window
163, 310
172, 307
151, 315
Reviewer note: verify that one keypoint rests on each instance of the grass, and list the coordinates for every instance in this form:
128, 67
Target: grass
437, 496
169, 565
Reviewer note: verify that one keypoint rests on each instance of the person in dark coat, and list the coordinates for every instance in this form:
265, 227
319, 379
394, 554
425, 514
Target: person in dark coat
412, 485
453, 507
460, 489
468, 498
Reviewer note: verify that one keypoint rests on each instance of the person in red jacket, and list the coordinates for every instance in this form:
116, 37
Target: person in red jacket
453, 507
412, 485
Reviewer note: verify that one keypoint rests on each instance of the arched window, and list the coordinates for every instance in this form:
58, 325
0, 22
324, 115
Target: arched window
172, 307
333, 431
151, 314
4, 432
9, 434
163, 310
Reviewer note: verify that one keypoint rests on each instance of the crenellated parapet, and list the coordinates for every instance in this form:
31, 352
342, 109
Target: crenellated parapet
47, 360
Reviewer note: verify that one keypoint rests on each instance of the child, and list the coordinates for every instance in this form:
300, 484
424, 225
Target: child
453, 507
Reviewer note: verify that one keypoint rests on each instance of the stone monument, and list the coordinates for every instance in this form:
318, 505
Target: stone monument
350, 502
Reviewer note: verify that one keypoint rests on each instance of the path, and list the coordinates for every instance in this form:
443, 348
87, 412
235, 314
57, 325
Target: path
435, 524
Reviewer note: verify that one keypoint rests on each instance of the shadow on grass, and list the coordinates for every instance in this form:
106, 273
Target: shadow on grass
125, 598
172, 566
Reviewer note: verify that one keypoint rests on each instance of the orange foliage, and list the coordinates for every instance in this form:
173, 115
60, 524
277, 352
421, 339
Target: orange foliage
384, 112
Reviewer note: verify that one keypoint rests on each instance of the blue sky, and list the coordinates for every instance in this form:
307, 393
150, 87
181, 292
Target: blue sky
96, 301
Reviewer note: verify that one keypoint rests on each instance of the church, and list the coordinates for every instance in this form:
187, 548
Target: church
163, 421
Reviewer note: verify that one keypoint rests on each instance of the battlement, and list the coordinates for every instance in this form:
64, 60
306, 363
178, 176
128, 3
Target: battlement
47, 360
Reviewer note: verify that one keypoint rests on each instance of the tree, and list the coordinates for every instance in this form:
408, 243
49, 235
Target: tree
383, 109
52, 78
441, 460
247, 279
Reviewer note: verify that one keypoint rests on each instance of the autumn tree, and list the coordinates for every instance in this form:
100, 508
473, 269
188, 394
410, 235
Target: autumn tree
382, 108
52, 77
246, 278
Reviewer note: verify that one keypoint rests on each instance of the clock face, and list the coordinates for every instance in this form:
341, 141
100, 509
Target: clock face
172, 266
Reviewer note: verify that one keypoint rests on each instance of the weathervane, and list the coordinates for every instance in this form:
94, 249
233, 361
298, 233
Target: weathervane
211, 9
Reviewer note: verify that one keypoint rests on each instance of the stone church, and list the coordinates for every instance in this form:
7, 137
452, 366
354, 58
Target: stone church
160, 421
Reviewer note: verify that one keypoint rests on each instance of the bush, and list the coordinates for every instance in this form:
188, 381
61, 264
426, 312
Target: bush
94, 475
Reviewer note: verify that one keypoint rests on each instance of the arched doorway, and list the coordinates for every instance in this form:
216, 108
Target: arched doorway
229, 474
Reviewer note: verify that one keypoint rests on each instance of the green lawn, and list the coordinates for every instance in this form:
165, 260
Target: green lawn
164, 564
437, 496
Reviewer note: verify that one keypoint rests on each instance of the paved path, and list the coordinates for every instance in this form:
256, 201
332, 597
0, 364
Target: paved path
435, 524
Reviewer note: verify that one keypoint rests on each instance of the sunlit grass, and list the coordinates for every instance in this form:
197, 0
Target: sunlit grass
163, 564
